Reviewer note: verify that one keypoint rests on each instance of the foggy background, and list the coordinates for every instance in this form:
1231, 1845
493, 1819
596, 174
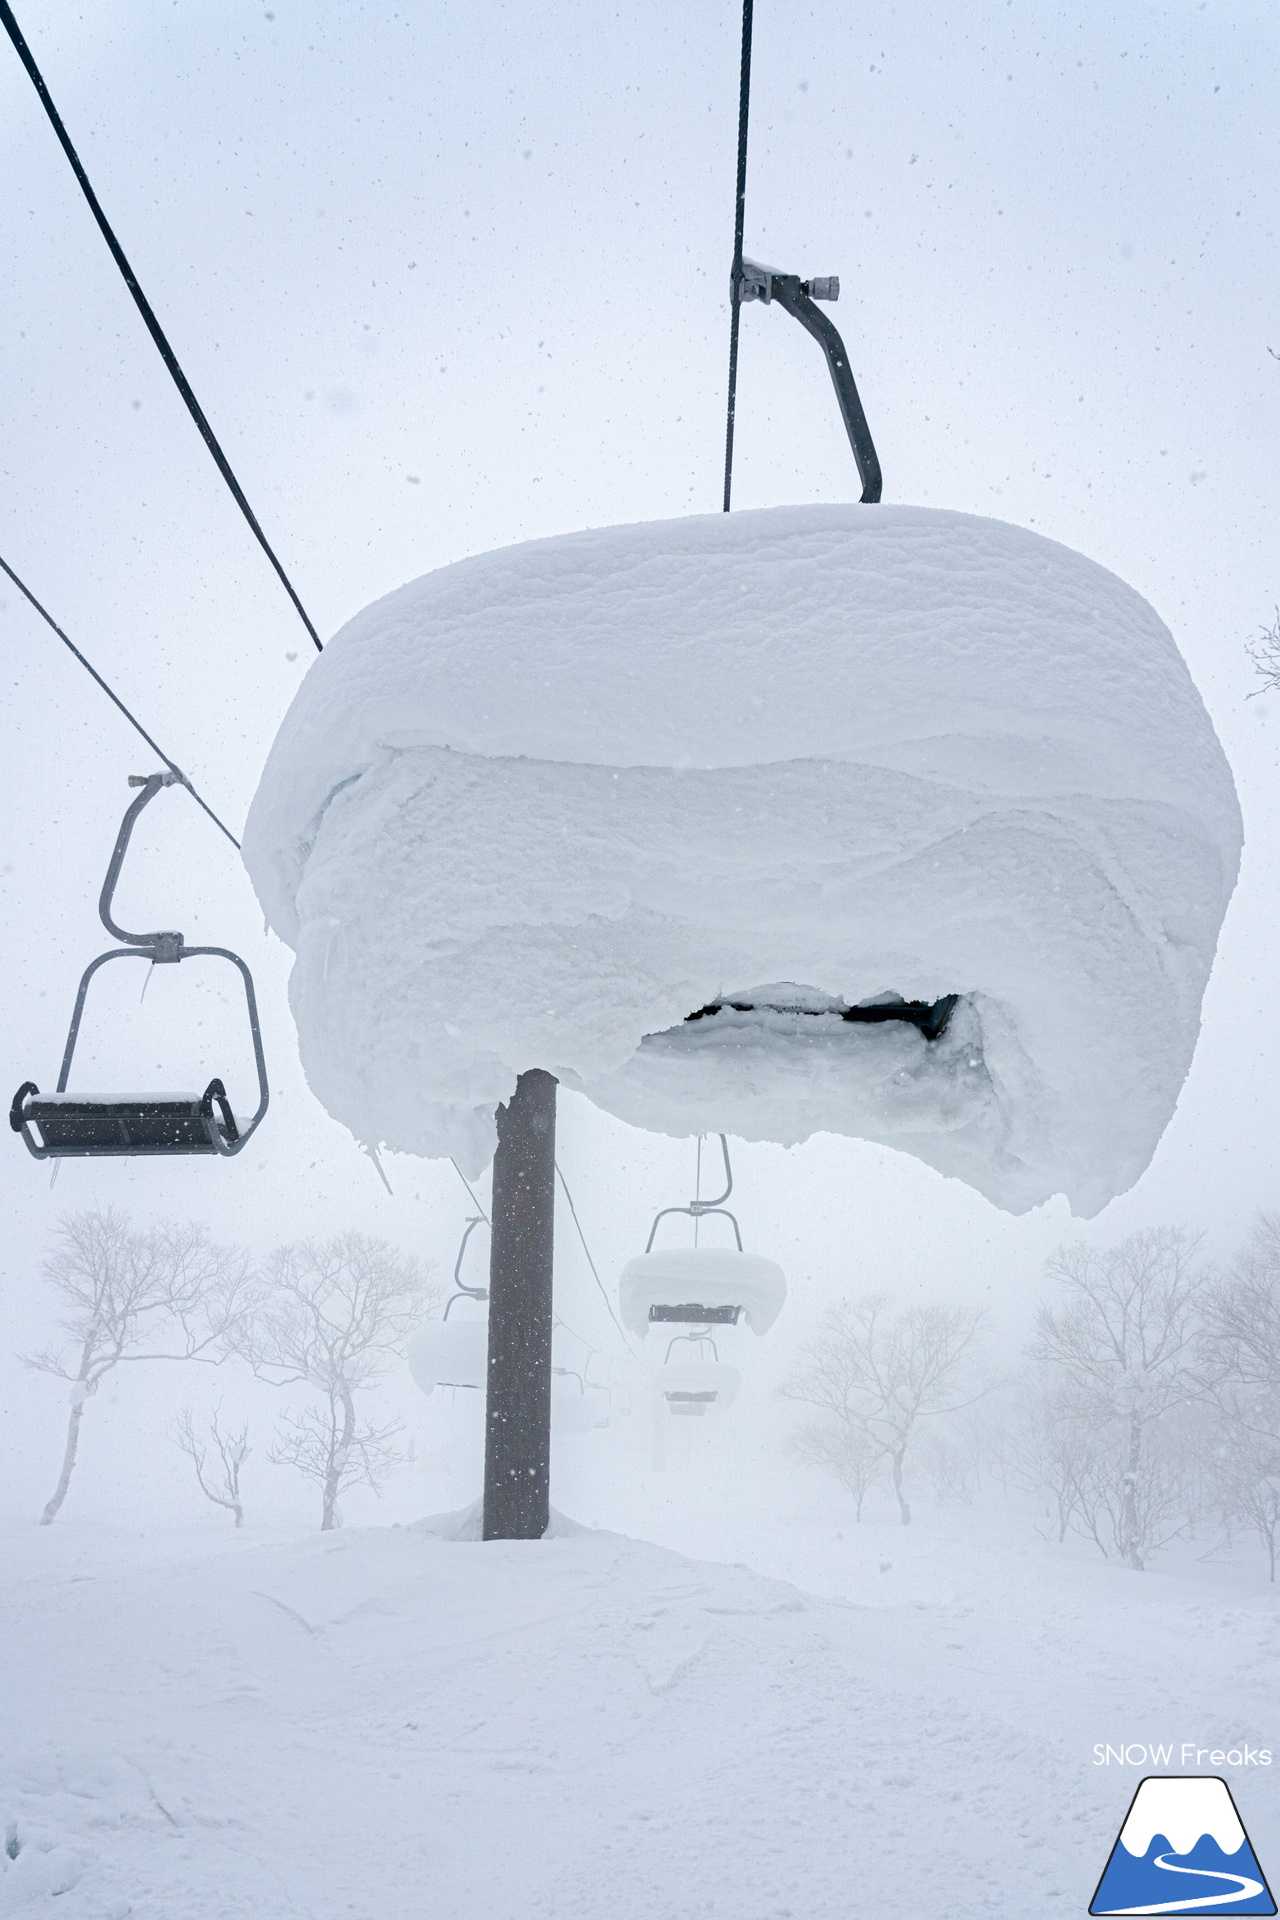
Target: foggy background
447, 278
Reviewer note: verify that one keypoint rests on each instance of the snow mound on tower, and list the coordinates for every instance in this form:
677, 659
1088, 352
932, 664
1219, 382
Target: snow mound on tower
538, 807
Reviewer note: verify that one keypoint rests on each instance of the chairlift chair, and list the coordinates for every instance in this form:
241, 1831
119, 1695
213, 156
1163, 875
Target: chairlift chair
115, 1125
701, 1286
692, 1388
691, 1384
450, 1353
453, 1353
578, 1403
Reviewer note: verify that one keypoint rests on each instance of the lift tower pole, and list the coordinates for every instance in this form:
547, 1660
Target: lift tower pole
517, 1443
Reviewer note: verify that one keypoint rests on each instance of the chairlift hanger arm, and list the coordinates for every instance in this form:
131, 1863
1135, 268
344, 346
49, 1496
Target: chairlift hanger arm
698, 1211
163, 947
798, 296
697, 1207
478, 1293
464, 1291
699, 1340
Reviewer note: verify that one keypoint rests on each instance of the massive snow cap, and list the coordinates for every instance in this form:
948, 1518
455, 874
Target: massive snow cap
538, 807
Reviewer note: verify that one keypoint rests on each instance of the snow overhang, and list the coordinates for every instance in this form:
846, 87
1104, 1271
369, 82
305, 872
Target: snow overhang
539, 808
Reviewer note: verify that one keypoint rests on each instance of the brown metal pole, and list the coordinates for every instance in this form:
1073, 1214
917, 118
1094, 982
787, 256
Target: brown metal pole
517, 1446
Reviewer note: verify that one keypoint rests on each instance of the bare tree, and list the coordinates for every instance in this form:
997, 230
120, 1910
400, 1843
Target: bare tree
1083, 1463
848, 1452
879, 1374
1124, 1349
1265, 655
1247, 1477
164, 1294
221, 1484
1241, 1336
1151, 1503
1059, 1455
948, 1466
1241, 1347
989, 1436
333, 1313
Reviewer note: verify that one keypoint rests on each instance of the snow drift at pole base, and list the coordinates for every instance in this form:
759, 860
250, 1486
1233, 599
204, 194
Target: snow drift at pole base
538, 807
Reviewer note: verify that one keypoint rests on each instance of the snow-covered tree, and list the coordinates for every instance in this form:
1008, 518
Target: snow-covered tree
220, 1483
333, 1313
166, 1293
878, 1374
1124, 1353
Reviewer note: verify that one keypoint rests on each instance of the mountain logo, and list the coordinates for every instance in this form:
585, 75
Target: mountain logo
1183, 1850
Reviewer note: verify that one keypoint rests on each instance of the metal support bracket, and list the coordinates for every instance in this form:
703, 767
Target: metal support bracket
699, 1209
797, 297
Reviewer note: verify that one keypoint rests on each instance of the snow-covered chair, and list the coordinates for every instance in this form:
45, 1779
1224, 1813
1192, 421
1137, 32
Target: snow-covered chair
710, 1286
450, 1353
692, 1388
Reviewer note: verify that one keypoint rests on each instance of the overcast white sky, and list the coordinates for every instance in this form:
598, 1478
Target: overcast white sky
448, 277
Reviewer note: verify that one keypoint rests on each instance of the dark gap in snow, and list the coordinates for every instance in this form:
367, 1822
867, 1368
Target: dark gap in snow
930, 1017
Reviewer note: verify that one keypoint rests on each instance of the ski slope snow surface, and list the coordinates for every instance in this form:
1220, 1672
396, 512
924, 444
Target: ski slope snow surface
393, 1722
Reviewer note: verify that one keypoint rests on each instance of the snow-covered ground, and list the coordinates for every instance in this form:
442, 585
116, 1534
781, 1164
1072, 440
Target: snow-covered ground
389, 1722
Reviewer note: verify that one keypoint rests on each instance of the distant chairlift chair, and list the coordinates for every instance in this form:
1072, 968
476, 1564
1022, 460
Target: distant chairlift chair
453, 1353
579, 1404
116, 1125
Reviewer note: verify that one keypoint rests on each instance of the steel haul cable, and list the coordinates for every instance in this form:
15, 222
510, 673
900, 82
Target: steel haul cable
585, 1248
739, 213
591, 1263
172, 765
144, 308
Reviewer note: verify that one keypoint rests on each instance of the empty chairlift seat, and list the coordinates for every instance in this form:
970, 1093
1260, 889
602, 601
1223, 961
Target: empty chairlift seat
59, 1125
